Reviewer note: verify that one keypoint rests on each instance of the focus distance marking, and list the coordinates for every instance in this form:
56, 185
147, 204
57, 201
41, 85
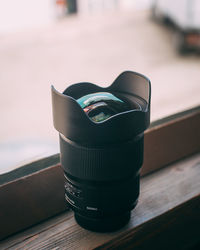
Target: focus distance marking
69, 200
92, 208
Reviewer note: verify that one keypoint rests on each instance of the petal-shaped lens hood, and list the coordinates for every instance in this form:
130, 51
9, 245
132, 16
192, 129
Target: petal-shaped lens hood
72, 122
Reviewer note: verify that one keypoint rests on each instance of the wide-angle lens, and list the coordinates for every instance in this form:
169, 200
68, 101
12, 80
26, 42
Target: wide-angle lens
101, 147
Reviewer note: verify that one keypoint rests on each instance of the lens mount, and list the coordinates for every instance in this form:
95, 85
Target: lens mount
104, 224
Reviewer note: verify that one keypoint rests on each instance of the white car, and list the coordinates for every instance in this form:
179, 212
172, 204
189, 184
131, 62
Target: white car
185, 17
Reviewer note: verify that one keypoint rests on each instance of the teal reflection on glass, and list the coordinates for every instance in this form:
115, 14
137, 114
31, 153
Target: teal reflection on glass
102, 105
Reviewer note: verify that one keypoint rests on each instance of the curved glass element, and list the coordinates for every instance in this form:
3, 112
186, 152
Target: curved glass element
102, 105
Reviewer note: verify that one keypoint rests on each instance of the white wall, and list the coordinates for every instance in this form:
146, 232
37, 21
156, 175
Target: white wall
22, 14
99, 6
96, 6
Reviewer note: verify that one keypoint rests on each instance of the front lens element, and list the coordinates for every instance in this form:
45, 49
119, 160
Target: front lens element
102, 105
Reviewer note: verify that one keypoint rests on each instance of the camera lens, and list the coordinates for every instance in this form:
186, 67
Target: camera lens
101, 143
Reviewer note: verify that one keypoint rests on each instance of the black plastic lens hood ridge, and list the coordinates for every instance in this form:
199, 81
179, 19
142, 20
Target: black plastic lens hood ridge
71, 121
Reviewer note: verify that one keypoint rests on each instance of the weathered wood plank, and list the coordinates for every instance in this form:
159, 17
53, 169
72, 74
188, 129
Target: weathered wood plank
30, 168
161, 191
176, 229
31, 199
164, 144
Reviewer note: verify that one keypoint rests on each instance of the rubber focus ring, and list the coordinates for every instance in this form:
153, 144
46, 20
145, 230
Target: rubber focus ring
112, 162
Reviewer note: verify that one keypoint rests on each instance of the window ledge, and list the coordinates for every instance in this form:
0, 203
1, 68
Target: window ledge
35, 192
167, 215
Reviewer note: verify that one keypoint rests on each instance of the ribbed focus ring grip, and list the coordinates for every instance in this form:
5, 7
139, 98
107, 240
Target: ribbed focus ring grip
113, 162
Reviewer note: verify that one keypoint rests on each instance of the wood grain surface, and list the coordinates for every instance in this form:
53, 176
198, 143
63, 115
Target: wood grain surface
168, 199
176, 229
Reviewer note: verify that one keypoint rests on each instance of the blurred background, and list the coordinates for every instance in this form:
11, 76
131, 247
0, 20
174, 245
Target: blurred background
61, 42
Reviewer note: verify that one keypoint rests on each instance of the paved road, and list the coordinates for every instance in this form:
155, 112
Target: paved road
91, 49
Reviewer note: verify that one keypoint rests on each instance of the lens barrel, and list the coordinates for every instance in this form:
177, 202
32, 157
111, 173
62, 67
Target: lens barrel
102, 161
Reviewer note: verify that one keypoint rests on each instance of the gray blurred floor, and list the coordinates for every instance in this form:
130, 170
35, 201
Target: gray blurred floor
91, 49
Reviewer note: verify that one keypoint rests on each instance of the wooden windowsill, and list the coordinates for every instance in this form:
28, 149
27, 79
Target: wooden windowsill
167, 216
35, 192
